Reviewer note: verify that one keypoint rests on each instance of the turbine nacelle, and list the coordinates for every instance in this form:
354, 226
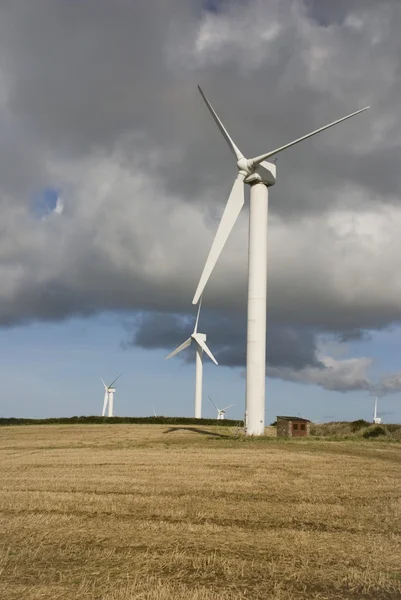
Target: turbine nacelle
264, 172
197, 337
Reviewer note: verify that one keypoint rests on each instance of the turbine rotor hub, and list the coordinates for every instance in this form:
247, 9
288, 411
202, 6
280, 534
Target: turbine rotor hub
245, 166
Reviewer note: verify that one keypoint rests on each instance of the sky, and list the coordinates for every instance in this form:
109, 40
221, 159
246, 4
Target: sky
113, 178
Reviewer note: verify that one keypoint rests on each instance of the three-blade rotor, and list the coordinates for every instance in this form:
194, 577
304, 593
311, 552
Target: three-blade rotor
247, 170
198, 338
107, 387
220, 410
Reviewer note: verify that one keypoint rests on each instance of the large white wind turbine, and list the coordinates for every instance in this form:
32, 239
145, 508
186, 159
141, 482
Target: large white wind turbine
108, 399
221, 412
200, 343
259, 174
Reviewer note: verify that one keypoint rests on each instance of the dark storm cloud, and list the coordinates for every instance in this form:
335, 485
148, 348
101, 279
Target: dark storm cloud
354, 335
83, 73
286, 347
327, 12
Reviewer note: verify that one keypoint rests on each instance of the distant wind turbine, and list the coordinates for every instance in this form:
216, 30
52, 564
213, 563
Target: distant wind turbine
108, 399
376, 419
221, 412
200, 343
259, 174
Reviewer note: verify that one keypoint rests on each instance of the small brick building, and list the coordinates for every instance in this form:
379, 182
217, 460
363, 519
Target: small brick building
292, 427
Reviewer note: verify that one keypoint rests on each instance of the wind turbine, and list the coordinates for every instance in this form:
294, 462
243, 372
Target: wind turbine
109, 392
260, 175
376, 419
221, 412
200, 343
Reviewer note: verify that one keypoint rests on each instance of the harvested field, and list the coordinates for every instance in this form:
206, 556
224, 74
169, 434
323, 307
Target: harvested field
124, 512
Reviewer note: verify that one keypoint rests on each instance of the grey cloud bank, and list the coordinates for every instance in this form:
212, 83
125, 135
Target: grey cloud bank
100, 100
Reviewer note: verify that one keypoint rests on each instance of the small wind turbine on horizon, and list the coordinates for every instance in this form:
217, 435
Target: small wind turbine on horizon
108, 400
260, 175
200, 344
376, 419
221, 412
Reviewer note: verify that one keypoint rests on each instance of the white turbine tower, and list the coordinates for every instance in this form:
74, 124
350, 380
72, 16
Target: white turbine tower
259, 174
108, 399
376, 419
221, 412
200, 343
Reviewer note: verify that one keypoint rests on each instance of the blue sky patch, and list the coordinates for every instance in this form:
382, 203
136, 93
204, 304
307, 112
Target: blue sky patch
45, 202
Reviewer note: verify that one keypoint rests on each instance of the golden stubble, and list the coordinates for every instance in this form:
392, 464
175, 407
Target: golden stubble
123, 512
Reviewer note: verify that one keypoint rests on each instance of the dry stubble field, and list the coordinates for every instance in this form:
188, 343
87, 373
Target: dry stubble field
121, 512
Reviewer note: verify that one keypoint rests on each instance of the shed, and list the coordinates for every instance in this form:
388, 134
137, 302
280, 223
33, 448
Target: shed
292, 427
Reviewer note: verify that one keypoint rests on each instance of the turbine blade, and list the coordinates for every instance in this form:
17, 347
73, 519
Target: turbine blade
204, 347
115, 380
258, 159
220, 125
105, 386
233, 207
212, 402
104, 403
182, 347
227, 407
197, 316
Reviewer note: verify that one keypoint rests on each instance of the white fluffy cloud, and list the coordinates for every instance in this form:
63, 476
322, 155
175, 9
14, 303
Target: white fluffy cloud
336, 375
